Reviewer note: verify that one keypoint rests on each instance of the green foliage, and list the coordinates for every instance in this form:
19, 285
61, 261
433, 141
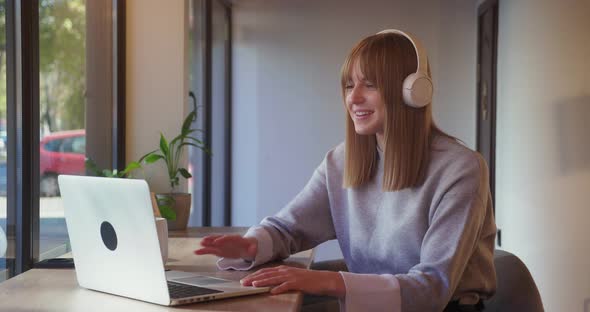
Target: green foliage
170, 151
165, 203
92, 167
62, 63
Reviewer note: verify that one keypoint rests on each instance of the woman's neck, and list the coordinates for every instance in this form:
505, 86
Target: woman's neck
380, 141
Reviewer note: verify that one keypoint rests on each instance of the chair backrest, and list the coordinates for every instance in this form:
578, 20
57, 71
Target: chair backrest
516, 290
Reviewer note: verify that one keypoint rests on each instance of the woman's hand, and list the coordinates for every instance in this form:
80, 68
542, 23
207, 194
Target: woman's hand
229, 246
285, 278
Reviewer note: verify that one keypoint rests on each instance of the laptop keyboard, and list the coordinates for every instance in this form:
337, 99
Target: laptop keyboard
178, 290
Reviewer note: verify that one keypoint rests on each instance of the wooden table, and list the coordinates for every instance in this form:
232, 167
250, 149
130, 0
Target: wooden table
58, 290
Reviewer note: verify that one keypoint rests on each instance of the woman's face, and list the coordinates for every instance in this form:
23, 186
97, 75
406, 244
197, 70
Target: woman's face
364, 104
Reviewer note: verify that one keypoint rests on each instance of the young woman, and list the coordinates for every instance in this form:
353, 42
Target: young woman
408, 204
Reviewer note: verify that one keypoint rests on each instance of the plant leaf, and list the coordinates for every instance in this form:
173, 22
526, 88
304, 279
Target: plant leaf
184, 173
167, 212
195, 139
130, 167
164, 145
179, 137
187, 122
194, 130
153, 158
203, 148
165, 200
192, 144
146, 155
92, 167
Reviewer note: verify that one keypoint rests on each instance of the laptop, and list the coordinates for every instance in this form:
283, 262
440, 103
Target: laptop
115, 245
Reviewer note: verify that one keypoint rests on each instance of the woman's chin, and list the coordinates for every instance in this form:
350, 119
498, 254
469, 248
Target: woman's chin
364, 131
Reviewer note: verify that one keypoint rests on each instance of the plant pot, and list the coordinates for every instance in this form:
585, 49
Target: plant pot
162, 229
182, 207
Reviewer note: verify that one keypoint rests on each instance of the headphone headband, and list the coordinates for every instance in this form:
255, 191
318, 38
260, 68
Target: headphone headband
420, 52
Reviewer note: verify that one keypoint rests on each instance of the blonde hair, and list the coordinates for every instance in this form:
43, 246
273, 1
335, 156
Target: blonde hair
386, 59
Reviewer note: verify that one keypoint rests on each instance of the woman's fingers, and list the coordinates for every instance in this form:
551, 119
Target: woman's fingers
257, 273
273, 269
209, 251
206, 241
233, 245
270, 281
248, 280
225, 239
262, 274
284, 287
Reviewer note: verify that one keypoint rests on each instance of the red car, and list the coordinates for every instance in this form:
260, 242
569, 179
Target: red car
61, 153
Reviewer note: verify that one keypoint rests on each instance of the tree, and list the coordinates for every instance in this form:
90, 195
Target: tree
62, 53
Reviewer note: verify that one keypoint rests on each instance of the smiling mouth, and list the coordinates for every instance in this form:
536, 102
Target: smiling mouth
362, 114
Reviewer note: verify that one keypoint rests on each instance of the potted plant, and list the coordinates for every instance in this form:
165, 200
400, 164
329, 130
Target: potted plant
175, 206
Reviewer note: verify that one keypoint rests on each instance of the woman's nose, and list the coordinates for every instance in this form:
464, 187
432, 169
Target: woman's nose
356, 95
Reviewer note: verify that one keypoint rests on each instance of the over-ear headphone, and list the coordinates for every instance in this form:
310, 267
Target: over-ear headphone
417, 87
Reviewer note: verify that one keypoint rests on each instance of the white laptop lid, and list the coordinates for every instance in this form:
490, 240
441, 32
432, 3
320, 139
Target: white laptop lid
113, 237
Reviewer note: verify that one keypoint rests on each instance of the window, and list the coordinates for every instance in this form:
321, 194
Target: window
67, 89
62, 83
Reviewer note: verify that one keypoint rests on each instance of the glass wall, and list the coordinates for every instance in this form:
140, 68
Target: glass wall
62, 84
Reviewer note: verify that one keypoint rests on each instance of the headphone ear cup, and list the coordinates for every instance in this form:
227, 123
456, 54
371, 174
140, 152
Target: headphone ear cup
417, 90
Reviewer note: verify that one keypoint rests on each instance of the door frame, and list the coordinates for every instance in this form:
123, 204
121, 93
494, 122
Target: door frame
483, 8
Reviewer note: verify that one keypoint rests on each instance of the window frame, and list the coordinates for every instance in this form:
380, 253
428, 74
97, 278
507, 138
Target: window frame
213, 195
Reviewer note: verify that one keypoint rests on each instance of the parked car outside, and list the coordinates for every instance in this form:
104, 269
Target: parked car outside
61, 153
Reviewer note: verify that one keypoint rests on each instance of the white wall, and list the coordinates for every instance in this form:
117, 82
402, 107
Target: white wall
157, 79
287, 110
543, 155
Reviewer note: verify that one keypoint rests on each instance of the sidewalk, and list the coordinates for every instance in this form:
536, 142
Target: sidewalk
49, 207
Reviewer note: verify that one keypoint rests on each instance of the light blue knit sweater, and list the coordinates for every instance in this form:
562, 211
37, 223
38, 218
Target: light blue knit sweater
409, 250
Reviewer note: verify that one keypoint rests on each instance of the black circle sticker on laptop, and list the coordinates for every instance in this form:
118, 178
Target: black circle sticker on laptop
109, 237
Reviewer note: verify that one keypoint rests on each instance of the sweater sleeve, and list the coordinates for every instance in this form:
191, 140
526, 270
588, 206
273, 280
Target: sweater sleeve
370, 292
454, 232
303, 223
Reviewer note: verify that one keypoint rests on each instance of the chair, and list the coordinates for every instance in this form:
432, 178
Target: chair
515, 290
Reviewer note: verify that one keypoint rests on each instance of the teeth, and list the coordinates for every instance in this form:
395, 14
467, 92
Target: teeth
362, 113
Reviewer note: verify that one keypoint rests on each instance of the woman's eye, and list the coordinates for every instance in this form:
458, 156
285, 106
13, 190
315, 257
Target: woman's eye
348, 86
369, 85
